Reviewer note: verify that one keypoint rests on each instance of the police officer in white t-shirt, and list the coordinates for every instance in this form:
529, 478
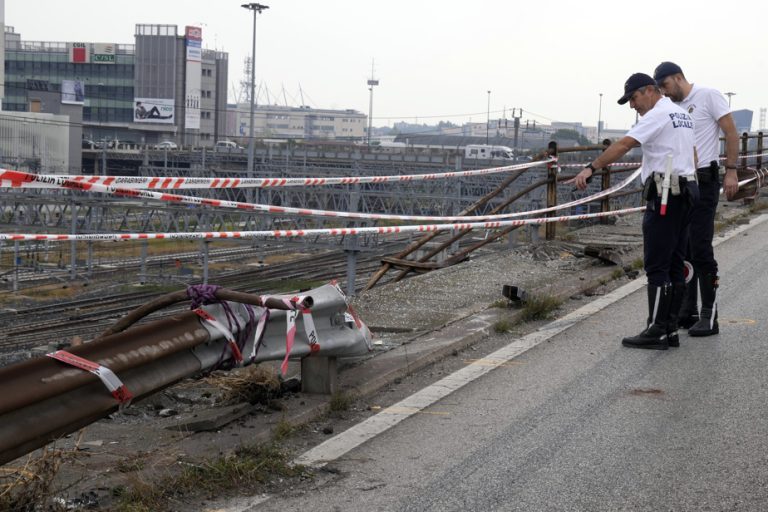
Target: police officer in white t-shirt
711, 114
665, 133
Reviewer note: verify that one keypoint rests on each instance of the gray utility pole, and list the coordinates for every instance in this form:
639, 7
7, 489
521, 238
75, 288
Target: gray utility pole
599, 117
488, 118
256, 8
371, 83
729, 94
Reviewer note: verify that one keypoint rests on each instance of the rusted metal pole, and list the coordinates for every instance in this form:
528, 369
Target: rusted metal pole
419, 243
550, 229
605, 204
50, 399
759, 162
183, 296
465, 232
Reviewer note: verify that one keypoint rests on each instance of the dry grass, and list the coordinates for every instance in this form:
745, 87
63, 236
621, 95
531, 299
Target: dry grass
31, 486
243, 471
253, 384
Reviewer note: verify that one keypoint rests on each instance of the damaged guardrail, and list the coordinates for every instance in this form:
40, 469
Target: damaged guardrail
45, 398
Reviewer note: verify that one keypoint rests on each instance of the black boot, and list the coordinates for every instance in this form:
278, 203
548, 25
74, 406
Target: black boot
689, 312
655, 335
707, 324
678, 294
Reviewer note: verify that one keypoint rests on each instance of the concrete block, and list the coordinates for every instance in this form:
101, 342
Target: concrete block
319, 375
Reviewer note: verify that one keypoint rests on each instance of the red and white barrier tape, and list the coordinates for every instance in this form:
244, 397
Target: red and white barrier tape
290, 331
28, 180
382, 230
175, 198
211, 320
635, 164
107, 376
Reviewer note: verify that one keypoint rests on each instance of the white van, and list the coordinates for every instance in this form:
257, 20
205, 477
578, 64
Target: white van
486, 152
225, 145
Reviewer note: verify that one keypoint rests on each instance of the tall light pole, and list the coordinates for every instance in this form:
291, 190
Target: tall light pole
729, 94
488, 118
256, 8
599, 117
371, 83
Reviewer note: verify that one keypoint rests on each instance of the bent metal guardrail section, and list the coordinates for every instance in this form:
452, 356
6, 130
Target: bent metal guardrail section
45, 398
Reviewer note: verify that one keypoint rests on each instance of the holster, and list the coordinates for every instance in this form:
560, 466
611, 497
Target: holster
649, 189
708, 174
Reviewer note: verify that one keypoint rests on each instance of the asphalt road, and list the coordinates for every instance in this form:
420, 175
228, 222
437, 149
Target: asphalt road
580, 423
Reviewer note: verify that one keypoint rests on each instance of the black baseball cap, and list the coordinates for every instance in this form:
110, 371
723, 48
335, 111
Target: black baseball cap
665, 69
634, 83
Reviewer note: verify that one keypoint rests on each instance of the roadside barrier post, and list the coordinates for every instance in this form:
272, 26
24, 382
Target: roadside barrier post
605, 204
759, 163
551, 227
352, 244
143, 271
73, 244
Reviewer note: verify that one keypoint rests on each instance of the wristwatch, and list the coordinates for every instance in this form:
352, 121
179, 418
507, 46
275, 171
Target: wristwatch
734, 167
591, 168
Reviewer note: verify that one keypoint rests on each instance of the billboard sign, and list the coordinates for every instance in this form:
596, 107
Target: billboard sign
72, 92
103, 53
192, 92
79, 53
153, 110
193, 33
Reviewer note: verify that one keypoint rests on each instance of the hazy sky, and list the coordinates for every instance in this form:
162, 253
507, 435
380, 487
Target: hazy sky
436, 59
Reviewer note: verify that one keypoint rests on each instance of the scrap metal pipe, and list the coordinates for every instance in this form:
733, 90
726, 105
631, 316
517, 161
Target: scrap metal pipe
41, 378
31, 427
43, 399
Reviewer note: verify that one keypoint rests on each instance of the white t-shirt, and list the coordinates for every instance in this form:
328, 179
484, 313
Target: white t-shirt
706, 106
663, 130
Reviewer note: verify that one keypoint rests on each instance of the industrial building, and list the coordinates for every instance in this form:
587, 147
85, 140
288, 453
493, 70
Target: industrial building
162, 87
283, 122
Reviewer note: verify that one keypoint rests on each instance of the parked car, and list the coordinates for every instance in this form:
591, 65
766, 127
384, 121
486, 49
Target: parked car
166, 144
225, 145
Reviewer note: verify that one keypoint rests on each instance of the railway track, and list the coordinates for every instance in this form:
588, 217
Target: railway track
60, 322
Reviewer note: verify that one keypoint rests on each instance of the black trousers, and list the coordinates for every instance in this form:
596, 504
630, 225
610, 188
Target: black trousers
701, 228
665, 237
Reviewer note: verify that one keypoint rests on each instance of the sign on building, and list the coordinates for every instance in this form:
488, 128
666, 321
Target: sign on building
72, 92
103, 53
97, 53
194, 39
79, 53
153, 110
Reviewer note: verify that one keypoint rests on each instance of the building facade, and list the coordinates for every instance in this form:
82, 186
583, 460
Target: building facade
163, 87
274, 121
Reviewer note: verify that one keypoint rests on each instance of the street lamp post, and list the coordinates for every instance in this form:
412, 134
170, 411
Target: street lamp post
371, 84
488, 118
599, 117
729, 94
256, 8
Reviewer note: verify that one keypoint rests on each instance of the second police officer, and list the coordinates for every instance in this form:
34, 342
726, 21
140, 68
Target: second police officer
711, 113
665, 133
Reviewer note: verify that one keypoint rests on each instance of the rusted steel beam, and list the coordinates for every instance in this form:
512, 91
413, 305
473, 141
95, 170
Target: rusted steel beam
183, 296
431, 236
551, 228
41, 378
26, 429
42, 399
